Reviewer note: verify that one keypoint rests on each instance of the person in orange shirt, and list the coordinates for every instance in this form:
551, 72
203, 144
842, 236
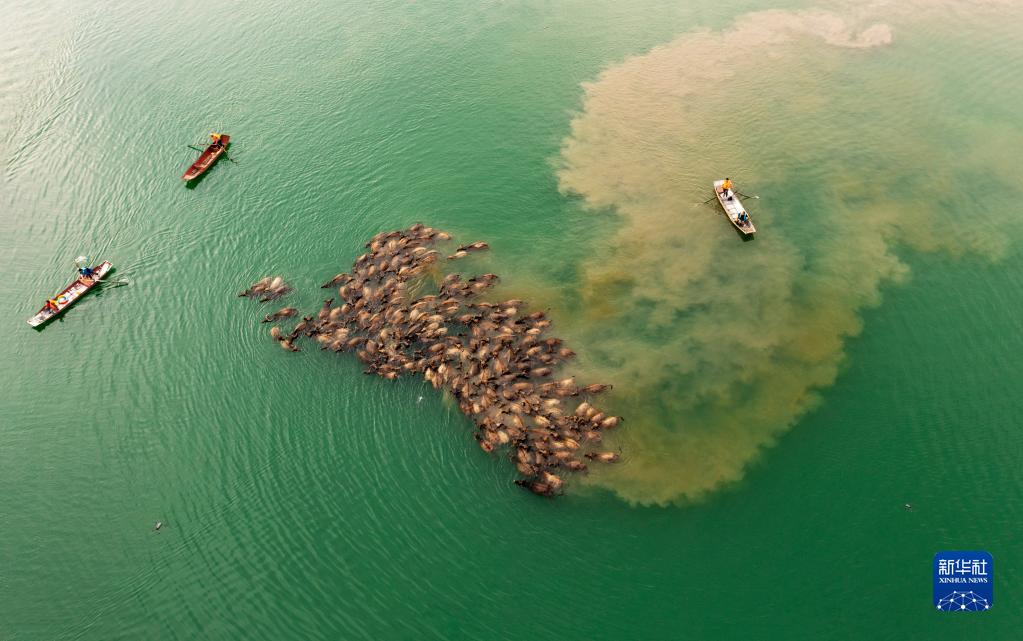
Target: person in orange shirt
726, 188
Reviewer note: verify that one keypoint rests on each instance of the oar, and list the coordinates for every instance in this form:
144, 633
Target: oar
225, 153
104, 281
116, 283
745, 196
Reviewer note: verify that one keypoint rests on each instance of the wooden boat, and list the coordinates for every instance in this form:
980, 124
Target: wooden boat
207, 158
733, 209
67, 297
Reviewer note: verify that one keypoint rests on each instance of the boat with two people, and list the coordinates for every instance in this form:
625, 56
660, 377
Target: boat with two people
734, 209
88, 277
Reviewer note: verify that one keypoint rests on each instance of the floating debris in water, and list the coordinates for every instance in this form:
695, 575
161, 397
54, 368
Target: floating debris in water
493, 358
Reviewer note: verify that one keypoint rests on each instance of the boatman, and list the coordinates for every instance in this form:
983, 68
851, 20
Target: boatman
52, 305
86, 272
726, 188
216, 138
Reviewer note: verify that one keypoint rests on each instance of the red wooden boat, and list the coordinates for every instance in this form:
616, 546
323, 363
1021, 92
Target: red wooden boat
208, 157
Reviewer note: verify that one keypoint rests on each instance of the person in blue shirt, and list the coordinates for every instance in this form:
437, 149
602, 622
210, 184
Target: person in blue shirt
86, 273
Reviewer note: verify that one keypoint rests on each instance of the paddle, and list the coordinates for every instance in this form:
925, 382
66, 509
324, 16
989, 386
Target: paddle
745, 196
99, 281
225, 153
102, 280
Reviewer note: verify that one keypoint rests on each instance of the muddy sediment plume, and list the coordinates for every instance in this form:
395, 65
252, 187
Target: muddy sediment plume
496, 359
729, 343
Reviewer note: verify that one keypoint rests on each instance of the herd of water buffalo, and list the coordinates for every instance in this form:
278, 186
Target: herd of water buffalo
494, 358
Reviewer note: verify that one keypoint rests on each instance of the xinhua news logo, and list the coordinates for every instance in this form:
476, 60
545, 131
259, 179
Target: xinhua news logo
963, 581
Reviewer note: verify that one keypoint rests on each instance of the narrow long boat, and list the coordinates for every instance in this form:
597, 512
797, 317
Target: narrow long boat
207, 158
67, 297
734, 209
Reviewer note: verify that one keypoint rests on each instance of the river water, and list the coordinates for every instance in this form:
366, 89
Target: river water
784, 397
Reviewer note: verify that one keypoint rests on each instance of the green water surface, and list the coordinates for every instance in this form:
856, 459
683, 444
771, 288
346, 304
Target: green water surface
304, 500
